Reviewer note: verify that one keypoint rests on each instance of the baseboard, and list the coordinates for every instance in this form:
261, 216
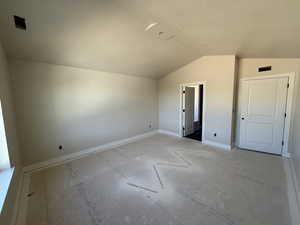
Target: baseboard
168, 133
218, 145
83, 153
293, 191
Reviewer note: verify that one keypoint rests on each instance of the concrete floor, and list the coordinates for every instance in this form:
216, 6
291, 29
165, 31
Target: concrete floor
162, 180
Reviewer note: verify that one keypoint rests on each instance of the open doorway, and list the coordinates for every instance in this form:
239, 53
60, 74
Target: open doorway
192, 111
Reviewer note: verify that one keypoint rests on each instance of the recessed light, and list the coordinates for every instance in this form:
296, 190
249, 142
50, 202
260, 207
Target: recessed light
150, 26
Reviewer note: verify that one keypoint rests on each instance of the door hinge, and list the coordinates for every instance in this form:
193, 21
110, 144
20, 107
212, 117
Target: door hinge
288, 85
282, 143
183, 110
183, 92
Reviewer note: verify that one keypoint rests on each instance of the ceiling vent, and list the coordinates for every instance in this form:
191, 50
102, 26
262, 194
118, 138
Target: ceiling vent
20, 22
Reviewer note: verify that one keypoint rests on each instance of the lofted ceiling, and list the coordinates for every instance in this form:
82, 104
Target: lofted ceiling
109, 35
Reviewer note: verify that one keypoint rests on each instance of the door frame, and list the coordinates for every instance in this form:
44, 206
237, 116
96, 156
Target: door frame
181, 106
289, 108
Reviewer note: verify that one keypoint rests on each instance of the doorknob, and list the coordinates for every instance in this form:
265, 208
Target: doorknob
243, 118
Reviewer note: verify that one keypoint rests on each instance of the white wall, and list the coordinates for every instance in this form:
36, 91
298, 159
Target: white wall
77, 108
218, 72
249, 67
4, 157
12, 141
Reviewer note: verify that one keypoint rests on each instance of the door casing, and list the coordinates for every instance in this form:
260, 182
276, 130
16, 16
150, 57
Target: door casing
181, 107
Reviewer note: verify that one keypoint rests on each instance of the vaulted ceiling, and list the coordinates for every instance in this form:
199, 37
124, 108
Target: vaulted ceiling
110, 35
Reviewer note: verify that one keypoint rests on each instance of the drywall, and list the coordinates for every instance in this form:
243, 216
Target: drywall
4, 156
110, 35
249, 67
8, 110
77, 108
12, 141
218, 73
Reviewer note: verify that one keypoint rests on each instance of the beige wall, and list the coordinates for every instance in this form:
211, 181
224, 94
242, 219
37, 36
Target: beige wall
249, 67
11, 135
218, 72
77, 108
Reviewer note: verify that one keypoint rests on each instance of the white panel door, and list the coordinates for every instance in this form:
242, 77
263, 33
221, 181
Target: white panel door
262, 116
189, 101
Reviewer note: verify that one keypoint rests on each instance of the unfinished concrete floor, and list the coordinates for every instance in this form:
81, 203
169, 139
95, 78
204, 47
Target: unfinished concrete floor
162, 180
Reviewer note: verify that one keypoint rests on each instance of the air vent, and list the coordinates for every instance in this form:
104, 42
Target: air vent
20, 22
265, 68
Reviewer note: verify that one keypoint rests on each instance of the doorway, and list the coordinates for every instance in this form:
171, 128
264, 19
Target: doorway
192, 111
264, 113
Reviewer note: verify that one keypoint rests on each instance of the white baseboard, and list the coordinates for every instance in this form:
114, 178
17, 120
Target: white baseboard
83, 153
218, 145
293, 191
168, 133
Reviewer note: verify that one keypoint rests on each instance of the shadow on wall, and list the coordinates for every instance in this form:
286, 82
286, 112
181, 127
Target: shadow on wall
80, 108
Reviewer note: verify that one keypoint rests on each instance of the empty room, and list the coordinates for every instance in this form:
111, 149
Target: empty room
139, 112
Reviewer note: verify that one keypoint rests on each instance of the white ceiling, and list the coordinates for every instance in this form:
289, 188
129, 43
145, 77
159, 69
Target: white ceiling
110, 35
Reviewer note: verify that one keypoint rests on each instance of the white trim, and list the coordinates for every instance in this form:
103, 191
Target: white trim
268, 76
286, 155
181, 88
168, 133
18, 198
293, 191
83, 153
218, 145
289, 108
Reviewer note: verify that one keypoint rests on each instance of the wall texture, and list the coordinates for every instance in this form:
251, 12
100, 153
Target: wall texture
11, 135
249, 67
218, 72
77, 108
